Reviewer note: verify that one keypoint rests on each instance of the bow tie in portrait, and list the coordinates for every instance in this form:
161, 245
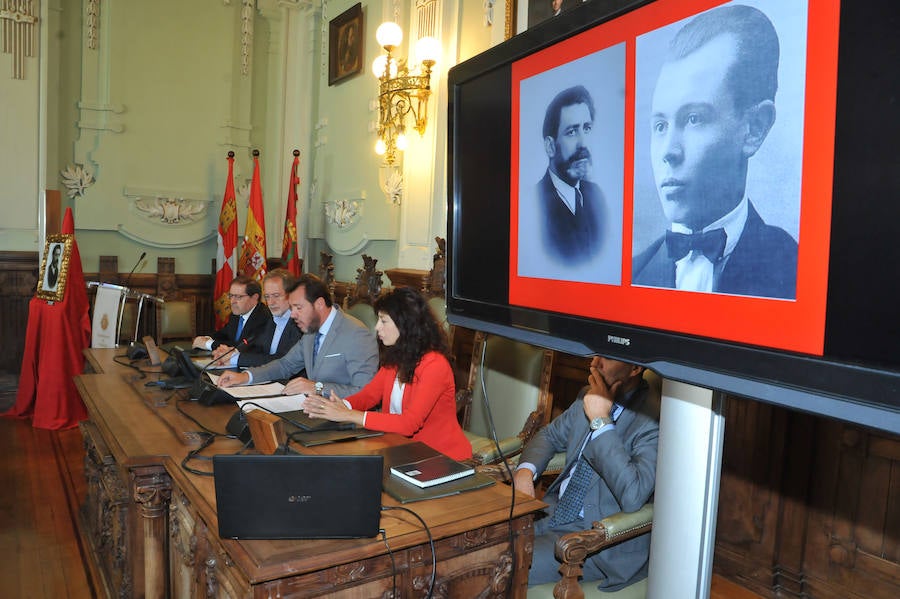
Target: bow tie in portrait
711, 244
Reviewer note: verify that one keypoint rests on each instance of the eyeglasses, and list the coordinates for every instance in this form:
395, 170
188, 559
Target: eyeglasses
273, 296
237, 296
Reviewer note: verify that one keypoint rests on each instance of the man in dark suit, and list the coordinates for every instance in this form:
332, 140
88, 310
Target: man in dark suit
280, 334
249, 320
53, 268
712, 108
572, 208
610, 436
337, 351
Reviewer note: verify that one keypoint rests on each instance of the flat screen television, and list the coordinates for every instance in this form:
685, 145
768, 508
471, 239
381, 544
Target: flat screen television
736, 219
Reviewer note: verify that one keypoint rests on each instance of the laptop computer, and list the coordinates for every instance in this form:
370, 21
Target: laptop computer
298, 496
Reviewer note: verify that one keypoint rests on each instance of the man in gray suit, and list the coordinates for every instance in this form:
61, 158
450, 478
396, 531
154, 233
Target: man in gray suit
338, 352
610, 436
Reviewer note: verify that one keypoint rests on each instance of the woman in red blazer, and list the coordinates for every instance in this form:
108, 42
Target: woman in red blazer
414, 386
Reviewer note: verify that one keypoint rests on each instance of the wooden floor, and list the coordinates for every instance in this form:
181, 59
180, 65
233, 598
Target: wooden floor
41, 487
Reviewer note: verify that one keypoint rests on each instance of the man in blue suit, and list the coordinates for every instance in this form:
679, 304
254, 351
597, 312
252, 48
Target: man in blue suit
712, 108
336, 351
610, 436
571, 207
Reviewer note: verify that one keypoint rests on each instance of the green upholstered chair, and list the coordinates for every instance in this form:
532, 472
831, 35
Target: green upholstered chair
176, 319
516, 377
365, 313
572, 549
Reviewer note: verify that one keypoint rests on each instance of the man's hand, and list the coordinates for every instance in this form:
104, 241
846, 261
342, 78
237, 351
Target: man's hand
221, 350
524, 481
232, 378
599, 401
299, 385
201, 341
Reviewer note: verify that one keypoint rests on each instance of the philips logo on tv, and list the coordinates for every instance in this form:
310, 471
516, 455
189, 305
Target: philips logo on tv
618, 340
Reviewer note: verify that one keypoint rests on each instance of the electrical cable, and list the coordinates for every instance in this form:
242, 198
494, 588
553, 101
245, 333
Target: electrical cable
505, 461
386, 508
393, 562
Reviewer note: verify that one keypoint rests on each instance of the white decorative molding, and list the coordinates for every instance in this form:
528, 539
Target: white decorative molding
343, 213
488, 13
124, 232
18, 30
76, 179
391, 180
246, 35
170, 211
92, 23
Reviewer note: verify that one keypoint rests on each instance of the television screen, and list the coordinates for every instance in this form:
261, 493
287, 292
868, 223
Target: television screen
699, 186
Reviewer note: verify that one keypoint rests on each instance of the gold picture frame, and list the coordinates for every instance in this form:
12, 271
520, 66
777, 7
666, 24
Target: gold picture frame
55, 267
345, 44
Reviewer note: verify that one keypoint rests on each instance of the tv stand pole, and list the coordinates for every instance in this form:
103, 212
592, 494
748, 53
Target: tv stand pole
688, 470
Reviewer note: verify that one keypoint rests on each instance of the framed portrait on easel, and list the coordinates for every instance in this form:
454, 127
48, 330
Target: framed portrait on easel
55, 267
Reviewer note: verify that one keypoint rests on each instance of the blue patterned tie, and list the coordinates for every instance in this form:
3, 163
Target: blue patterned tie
237, 336
570, 504
316, 345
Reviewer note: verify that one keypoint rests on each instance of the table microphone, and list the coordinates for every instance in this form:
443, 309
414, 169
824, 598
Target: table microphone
208, 394
135, 350
136, 264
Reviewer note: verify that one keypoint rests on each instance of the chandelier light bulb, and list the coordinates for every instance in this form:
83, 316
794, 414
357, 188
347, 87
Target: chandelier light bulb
380, 147
389, 35
428, 49
401, 141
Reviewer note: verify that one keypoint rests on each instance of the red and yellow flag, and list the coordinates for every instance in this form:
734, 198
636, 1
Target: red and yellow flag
227, 244
289, 249
253, 251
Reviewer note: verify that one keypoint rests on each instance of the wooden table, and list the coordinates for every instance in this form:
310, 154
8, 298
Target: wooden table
152, 529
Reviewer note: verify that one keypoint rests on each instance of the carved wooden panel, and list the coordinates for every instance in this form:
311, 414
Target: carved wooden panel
808, 506
18, 282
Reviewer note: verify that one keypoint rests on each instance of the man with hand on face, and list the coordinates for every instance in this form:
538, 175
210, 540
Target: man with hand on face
610, 436
338, 352
572, 208
249, 321
280, 334
712, 108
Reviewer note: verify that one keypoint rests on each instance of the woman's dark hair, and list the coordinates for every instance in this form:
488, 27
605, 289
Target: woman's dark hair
420, 332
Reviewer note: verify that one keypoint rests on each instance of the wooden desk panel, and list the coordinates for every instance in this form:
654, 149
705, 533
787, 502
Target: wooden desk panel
169, 527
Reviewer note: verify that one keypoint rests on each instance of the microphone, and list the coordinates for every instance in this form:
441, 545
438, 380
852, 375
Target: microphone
244, 343
208, 394
136, 264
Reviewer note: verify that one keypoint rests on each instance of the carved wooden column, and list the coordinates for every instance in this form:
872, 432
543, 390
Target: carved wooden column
152, 488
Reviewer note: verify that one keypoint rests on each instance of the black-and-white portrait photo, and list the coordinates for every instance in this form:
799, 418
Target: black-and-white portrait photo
54, 266
51, 280
718, 151
571, 161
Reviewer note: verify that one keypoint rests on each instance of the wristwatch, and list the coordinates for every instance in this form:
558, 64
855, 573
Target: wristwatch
600, 421
320, 387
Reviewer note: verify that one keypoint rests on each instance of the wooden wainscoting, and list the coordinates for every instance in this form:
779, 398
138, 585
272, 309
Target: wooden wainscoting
808, 506
18, 283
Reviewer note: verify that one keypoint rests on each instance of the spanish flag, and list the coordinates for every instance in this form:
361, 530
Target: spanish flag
253, 251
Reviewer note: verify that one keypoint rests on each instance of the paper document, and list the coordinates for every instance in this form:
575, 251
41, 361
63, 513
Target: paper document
277, 404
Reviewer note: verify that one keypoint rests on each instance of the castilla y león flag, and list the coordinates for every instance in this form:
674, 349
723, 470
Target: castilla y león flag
227, 244
289, 243
253, 251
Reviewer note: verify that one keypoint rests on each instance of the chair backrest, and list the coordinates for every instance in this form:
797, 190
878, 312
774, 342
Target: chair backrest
365, 313
517, 379
176, 319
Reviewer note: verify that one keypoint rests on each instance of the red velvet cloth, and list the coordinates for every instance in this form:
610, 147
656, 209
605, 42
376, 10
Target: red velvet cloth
55, 338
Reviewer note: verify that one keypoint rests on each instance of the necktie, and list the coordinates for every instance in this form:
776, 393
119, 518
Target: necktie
237, 336
570, 503
316, 345
579, 202
711, 244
